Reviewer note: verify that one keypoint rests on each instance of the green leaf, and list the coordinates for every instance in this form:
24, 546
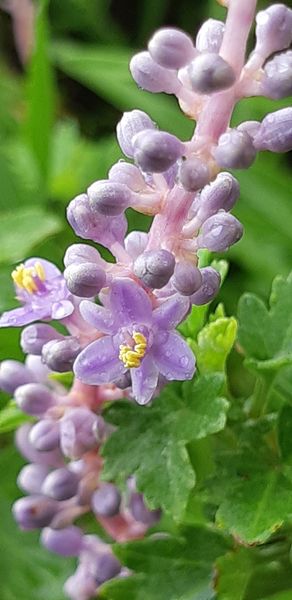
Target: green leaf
40, 93
105, 71
266, 335
150, 442
169, 568
22, 230
11, 417
214, 343
285, 433
233, 572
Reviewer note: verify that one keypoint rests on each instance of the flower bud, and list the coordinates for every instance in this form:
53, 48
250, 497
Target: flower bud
140, 512
220, 194
106, 501
193, 174
82, 585
35, 336
277, 80
135, 243
152, 77
220, 232
210, 73
14, 374
275, 132
131, 123
44, 435
155, 268
82, 253
235, 150
171, 48
128, 175
59, 355
84, 280
273, 29
34, 399
186, 278
77, 432
250, 127
66, 542
124, 382
209, 287
52, 458
109, 198
156, 151
95, 226
31, 478
34, 512
60, 484
210, 36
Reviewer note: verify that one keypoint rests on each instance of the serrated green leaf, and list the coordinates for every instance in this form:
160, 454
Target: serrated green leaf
150, 442
169, 568
11, 417
214, 344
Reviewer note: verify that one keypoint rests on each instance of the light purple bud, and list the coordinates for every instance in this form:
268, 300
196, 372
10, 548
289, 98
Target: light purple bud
186, 278
171, 48
44, 435
35, 336
140, 512
81, 253
210, 36
273, 29
210, 73
109, 198
154, 268
277, 80
31, 478
128, 175
85, 279
156, 151
60, 484
95, 226
66, 542
193, 174
124, 382
235, 150
34, 399
209, 287
275, 132
250, 127
82, 585
107, 566
152, 77
77, 432
14, 374
79, 215
59, 355
220, 232
105, 501
98, 558
34, 512
130, 124
52, 459
220, 194
135, 243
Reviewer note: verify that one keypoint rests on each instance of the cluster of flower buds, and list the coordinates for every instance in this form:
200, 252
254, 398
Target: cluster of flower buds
121, 316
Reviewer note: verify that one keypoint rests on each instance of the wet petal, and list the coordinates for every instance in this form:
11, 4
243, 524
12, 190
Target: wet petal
98, 316
51, 270
171, 312
22, 316
61, 309
174, 357
144, 380
129, 302
99, 363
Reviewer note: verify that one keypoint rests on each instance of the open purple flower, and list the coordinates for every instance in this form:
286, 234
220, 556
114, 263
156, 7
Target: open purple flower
137, 338
41, 288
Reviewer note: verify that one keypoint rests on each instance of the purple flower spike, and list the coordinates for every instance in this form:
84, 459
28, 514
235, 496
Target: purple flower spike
139, 339
42, 290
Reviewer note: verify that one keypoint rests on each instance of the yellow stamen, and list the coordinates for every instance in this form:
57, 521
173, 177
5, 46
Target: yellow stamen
23, 276
131, 356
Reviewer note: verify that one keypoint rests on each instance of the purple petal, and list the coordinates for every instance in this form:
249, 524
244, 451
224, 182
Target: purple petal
144, 380
62, 309
97, 316
129, 302
173, 357
51, 270
169, 314
22, 316
99, 363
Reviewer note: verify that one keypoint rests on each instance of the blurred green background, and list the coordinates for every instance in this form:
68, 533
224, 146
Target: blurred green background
58, 111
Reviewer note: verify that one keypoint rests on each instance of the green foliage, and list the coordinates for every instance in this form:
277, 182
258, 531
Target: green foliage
11, 417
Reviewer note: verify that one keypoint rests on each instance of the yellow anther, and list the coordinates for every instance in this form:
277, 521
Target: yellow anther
23, 276
131, 356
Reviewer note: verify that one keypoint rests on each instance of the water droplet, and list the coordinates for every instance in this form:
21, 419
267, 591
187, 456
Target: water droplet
184, 361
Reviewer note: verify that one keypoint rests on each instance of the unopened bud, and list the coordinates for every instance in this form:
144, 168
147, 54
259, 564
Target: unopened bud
66, 542
44, 435
140, 511
155, 268
277, 80
106, 501
209, 288
220, 232
275, 132
34, 512
171, 48
60, 484
131, 123
152, 77
53, 458
59, 355
34, 399
31, 478
84, 280
193, 174
127, 174
210, 73
220, 194
77, 432
273, 29
35, 336
81, 253
14, 374
109, 198
235, 150
210, 36
186, 278
156, 151
135, 243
